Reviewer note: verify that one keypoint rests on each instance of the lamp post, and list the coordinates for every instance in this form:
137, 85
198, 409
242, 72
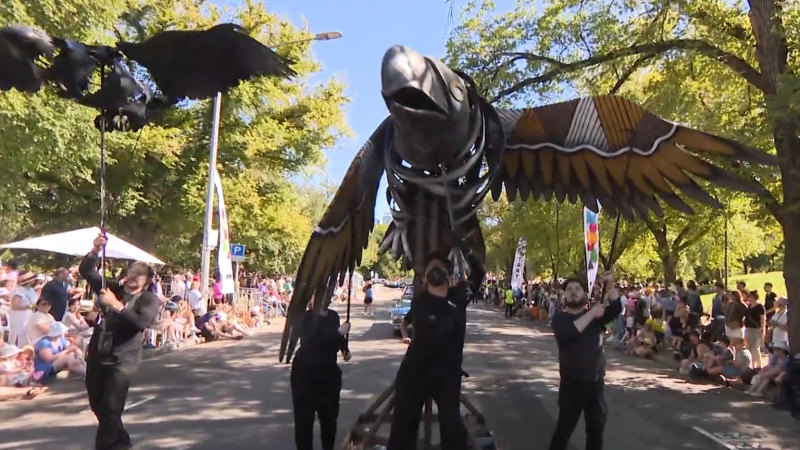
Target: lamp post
212, 162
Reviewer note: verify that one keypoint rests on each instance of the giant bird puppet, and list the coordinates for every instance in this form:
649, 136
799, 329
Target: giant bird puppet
443, 148
181, 64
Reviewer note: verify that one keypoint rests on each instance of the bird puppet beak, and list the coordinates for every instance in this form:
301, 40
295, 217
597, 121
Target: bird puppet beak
430, 107
412, 82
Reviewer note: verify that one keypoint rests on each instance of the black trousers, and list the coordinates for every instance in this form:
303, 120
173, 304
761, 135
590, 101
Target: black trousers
575, 397
107, 387
315, 392
411, 392
509, 310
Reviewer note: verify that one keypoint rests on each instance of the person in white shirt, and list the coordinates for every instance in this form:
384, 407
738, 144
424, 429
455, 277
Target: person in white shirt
780, 322
75, 322
39, 322
196, 299
22, 301
178, 286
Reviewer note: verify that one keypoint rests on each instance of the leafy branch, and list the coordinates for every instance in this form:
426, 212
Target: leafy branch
739, 65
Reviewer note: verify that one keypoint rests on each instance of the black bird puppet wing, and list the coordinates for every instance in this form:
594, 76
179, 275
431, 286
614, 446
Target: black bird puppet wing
337, 243
21, 48
182, 64
198, 64
444, 148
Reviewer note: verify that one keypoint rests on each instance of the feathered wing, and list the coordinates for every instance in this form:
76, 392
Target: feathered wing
342, 234
20, 48
198, 64
610, 150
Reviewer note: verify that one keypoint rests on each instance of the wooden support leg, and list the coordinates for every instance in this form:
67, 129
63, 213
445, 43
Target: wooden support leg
370, 437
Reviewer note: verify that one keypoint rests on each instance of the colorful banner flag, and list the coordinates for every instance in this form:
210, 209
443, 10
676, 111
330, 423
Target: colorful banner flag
224, 260
591, 237
518, 272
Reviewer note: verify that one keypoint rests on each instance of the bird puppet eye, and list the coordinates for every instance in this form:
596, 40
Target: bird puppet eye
457, 91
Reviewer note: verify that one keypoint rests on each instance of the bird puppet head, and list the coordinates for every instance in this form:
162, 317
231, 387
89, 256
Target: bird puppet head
430, 105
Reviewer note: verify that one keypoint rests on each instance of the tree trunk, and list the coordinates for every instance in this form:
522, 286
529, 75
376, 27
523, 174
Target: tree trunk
788, 146
669, 259
766, 18
670, 263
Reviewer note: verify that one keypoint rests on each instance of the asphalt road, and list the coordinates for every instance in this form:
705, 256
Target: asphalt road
234, 395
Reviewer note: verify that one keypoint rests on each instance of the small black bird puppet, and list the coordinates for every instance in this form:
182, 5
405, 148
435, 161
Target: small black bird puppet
182, 65
443, 148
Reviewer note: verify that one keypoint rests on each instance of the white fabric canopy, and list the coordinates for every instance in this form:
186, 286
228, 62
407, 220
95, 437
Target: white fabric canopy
79, 242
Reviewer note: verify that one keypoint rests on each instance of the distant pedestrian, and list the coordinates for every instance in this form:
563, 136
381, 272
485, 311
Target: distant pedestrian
508, 296
369, 310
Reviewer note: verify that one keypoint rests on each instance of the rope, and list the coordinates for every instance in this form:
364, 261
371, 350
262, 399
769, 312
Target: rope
613, 243
610, 255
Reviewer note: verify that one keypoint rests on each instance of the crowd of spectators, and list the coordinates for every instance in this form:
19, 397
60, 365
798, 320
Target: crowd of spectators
45, 329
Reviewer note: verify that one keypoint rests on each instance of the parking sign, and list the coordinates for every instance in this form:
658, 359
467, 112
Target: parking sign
237, 252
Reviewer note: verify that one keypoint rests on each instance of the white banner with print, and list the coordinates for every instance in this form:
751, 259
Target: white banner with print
518, 272
224, 259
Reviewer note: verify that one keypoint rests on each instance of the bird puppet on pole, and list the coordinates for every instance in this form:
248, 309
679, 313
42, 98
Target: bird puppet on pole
181, 64
443, 148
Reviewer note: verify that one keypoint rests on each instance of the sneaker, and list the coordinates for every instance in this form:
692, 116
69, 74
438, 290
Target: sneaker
194, 330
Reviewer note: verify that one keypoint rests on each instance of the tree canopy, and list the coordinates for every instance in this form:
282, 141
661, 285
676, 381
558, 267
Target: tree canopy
271, 130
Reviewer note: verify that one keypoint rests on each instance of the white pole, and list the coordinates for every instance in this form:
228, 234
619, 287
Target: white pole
212, 167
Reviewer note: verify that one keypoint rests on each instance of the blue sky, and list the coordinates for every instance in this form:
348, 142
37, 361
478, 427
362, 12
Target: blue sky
369, 28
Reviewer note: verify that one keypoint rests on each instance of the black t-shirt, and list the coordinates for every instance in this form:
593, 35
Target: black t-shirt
439, 327
694, 302
320, 341
752, 319
56, 293
769, 302
580, 354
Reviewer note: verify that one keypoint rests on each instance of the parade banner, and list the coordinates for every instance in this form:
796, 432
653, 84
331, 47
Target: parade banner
224, 259
591, 237
518, 272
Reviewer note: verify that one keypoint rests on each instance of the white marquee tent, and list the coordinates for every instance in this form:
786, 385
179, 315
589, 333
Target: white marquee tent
79, 242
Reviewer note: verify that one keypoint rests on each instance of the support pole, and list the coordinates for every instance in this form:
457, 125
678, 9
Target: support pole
726, 247
212, 168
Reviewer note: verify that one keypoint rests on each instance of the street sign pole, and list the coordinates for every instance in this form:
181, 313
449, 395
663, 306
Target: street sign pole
237, 255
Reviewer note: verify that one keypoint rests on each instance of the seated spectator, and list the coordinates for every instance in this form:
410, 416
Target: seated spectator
13, 369
256, 318
657, 325
697, 355
644, 344
39, 322
165, 323
12, 392
678, 325
53, 353
212, 327
184, 317
734, 368
74, 321
773, 372
232, 323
